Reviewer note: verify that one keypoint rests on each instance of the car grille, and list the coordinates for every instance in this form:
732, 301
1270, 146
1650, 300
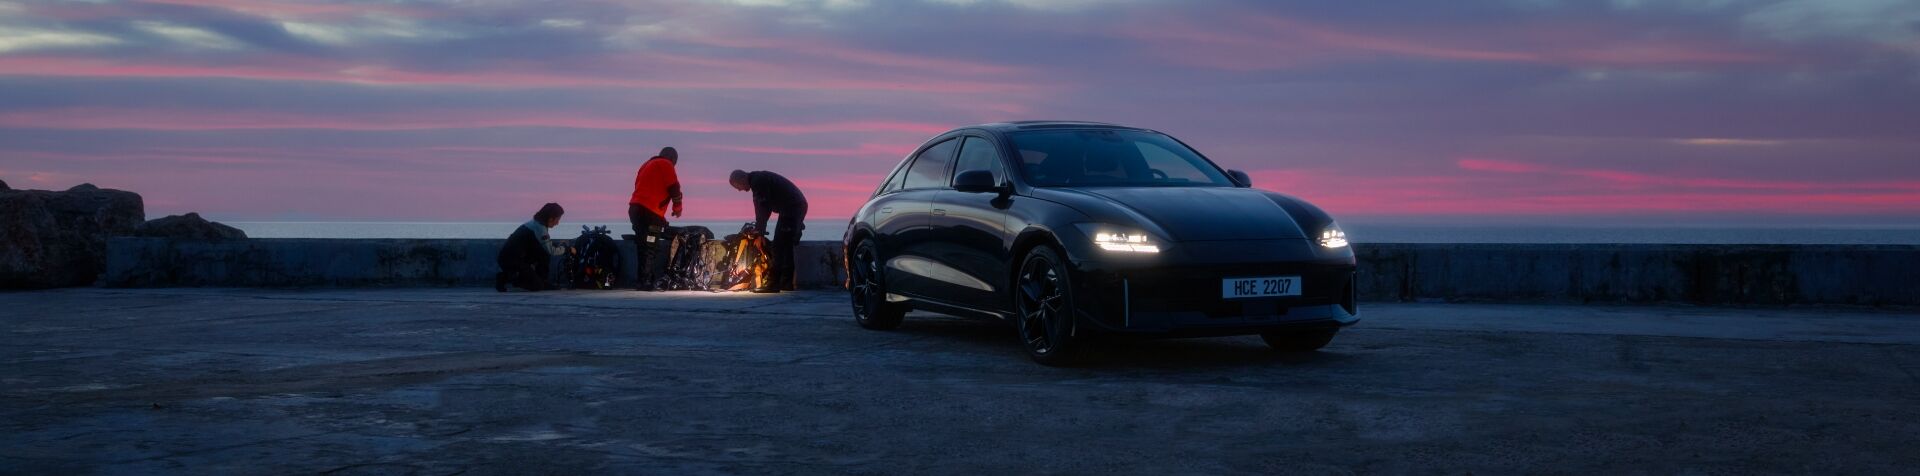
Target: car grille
1198, 290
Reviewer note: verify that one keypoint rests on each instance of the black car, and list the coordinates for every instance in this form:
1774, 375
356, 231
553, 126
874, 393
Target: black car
1071, 229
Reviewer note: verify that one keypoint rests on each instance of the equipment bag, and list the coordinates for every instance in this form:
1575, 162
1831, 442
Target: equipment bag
593, 262
746, 263
678, 259
715, 259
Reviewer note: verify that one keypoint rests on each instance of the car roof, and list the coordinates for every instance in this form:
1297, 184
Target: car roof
1012, 126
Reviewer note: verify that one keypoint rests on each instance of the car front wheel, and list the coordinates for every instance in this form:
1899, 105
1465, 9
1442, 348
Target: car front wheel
1044, 299
870, 307
1299, 341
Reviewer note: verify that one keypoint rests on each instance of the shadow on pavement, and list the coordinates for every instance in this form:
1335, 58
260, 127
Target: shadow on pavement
991, 337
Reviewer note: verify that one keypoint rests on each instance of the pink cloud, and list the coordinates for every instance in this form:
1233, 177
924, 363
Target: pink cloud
530, 150
832, 197
238, 181
194, 120
753, 76
862, 184
863, 150
1508, 187
81, 11
245, 182
1497, 166
1261, 42
1730, 142
1645, 180
286, 9
852, 54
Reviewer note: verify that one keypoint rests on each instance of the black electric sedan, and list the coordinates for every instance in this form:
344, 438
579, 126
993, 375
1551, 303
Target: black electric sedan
1074, 229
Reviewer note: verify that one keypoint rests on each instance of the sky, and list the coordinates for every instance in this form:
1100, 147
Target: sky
1532, 111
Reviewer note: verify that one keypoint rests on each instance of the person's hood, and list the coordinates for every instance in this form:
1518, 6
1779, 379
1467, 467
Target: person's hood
1195, 213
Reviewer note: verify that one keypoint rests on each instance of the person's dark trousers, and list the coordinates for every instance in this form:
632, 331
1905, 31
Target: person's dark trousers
530, 275
786, 236
647, 228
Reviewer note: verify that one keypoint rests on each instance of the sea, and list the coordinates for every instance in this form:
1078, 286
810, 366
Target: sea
831, 229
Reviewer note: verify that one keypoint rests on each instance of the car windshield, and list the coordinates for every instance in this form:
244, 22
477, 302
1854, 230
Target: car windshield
1111, 158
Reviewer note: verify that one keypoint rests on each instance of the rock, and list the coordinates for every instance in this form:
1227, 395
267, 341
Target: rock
3, 186
188, 227
55, 239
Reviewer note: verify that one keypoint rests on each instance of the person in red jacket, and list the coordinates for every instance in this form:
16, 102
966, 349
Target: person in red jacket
654, 188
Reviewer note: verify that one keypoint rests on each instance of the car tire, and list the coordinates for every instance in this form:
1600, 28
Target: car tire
864, 281
1299, 341
1043, 301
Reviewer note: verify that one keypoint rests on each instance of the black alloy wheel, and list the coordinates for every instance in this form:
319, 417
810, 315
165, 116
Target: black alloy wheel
870, 307
1044, 299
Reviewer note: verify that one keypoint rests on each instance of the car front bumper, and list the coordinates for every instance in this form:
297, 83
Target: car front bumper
1179, 294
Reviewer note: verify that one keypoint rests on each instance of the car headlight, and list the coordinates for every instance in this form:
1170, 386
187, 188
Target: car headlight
1116, 239
1333, 237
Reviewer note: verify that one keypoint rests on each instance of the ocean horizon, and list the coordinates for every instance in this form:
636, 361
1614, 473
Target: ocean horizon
831, 229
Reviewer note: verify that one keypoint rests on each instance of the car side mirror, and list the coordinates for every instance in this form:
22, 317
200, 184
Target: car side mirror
1240, 179
975, 181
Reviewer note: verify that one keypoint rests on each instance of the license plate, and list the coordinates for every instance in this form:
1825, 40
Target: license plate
1237, 288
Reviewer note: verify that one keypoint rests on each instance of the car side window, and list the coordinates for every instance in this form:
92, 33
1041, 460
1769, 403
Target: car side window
979, 154
929, 169
894, 182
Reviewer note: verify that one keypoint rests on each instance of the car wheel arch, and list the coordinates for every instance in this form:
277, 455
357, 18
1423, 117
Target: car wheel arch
861, 232
1026, 242
858, 235
854, 239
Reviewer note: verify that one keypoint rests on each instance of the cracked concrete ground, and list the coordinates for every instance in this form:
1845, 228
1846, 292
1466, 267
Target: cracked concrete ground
469, 381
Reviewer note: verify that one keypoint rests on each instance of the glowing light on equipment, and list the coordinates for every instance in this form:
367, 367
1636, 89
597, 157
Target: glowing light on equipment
750, 264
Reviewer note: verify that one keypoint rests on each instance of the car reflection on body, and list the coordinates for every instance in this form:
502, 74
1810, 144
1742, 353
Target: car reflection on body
1074, 229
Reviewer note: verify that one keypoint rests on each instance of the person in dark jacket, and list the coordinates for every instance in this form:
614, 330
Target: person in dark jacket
773, 193
654, 187
523, 261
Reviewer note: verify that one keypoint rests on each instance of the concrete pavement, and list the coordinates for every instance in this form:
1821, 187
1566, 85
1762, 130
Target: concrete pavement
449, 381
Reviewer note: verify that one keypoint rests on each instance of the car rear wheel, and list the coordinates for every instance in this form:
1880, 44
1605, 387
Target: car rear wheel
1299, 341
870, 307
1044, 299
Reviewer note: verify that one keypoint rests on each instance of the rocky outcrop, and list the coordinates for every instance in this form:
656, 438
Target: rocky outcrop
188, 227
55, 239
3, 186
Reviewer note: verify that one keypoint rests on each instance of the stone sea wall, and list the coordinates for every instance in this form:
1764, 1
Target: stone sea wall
1870, 275
158, 262
1875, 275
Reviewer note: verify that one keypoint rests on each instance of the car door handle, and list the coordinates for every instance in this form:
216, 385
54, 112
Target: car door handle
939, 212
886, 209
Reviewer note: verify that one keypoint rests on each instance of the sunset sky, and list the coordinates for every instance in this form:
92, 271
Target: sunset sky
1520, 110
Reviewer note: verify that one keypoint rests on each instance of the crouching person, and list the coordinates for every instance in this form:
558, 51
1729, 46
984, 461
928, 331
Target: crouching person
523, 261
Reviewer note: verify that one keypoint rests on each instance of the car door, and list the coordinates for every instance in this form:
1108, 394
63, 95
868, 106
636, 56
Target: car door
905, 223
973, 241
881, 213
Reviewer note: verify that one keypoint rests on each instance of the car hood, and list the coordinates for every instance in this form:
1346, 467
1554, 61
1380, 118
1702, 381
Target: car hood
1203, 213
